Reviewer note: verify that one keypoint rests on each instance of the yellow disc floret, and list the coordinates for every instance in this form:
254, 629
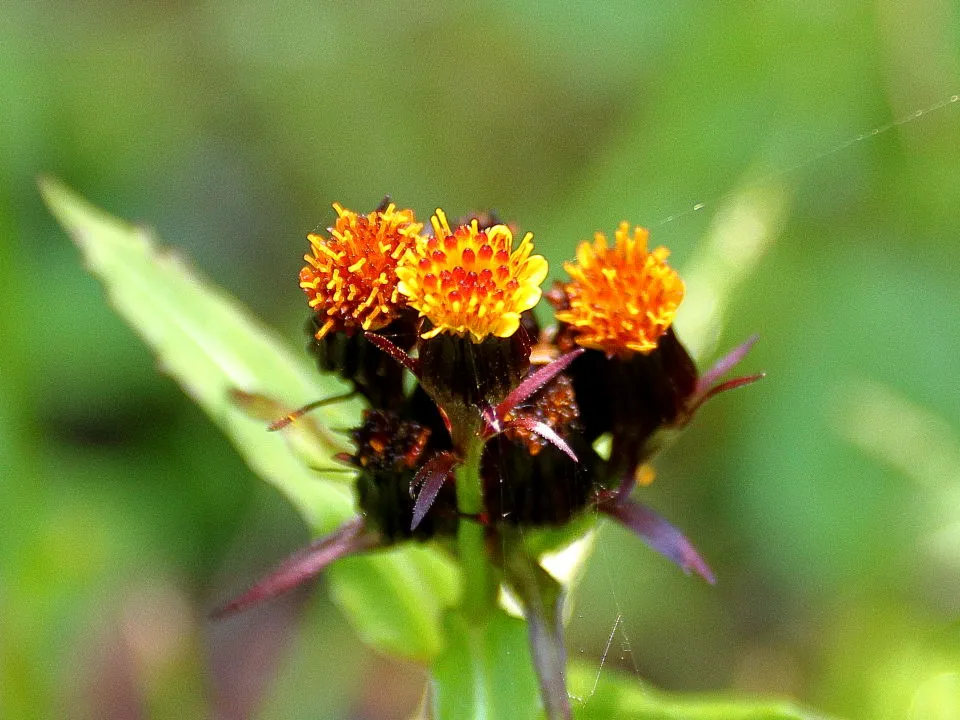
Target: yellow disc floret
469, 280
350, 278
621, 299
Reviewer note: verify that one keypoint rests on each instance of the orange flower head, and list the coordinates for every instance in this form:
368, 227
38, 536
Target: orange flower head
621, 300
469, 280
350, 279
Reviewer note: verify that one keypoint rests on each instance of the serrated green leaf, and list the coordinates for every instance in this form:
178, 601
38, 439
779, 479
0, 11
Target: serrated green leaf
608, 694
211, 345
485, 671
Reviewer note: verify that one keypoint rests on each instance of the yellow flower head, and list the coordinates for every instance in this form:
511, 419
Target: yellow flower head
472, 281
621, 299
350, 278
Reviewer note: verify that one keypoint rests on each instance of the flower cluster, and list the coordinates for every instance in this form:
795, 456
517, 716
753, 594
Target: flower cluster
503, 425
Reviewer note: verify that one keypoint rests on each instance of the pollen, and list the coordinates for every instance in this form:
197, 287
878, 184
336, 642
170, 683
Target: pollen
471, 281
350, 277
621, 299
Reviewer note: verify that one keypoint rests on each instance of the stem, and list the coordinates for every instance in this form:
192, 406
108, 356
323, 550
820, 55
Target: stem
542, 599
479, 584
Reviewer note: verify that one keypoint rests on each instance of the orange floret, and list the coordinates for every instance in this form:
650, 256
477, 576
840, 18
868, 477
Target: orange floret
469, 280
621, 299
350, 278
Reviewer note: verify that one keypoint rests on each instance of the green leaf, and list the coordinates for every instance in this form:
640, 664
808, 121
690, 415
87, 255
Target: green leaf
212, 347
397, 598
937, 698
608, 694
485, 671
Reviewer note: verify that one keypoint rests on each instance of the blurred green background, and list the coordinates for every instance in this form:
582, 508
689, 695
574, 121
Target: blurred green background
827, 499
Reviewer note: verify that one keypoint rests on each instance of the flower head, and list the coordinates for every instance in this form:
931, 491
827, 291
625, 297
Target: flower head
471, 280
481, 445
390, 452
622, 299
555, 405
350, 277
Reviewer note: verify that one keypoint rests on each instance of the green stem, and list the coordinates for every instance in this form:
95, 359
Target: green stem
542, 600
479, 582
